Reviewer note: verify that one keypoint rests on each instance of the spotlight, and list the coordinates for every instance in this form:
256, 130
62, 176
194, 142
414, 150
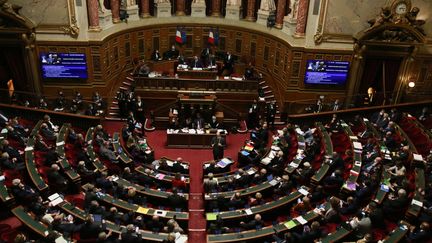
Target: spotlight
411, 84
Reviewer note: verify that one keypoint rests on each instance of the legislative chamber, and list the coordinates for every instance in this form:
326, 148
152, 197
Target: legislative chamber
216, 121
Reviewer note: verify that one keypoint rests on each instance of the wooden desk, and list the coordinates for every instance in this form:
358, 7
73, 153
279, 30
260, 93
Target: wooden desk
32, 170
116, 145
267, 207
29, 220
126, 206
296, 162
187, 140
90, 152
60, 149
147, 191
243, 192
357, 160
255, 235
197, 74
81, 214
319, 175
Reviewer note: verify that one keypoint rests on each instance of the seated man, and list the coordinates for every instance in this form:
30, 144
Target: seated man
196, 63
173, 53
156, 56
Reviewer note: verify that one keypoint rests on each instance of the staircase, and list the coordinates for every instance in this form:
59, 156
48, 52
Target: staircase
113, 109
270, 97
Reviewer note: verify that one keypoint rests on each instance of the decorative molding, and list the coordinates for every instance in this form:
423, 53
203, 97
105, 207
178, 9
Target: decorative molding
71, 28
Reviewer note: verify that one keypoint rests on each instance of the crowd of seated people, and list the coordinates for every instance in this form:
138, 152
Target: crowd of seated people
77, 105
194, 117
366, 217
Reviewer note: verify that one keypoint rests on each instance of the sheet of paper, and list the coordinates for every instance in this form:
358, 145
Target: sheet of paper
273, 182
357, 146
290, 224
303, 191
57, 201
142, 210
251, 171
301, 220
211, 216
418, 157
248, 211
53, 196
417, 202
60, 143
353, 137
28, 149
60, 240
294, 164
384, 188
266, 161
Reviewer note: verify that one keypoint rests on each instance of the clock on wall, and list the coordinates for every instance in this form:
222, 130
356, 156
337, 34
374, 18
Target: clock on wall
401, 7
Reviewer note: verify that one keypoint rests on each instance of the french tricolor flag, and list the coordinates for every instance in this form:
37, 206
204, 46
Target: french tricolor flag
180, 36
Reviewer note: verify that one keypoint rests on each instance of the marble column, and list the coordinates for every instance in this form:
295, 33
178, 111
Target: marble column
115, 11
250, 14
145, 9
180, 8
93, 15
216, 5
302, 18
280, 14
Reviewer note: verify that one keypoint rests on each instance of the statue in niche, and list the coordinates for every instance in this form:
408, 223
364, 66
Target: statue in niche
162, 1
233, 2
268, 5
100, 6
294, 9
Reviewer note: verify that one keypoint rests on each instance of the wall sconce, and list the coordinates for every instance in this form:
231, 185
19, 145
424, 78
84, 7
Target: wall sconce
411, 84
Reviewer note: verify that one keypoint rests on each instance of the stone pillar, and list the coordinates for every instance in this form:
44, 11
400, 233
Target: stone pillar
280, 14
93, 15
232, 12
216, 5
115, 11
180, 8
145, 9
250, 14
163, 9
198, 9
303, 9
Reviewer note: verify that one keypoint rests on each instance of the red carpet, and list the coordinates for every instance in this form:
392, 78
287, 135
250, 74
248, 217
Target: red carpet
196, 157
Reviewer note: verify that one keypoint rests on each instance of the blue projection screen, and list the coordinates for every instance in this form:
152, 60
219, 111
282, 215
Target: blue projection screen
64, 65
326, 72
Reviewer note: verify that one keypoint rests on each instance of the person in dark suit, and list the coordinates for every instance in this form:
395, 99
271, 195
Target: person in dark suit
271, 113
155, 225
56, 180
256, 223
250, 72
205, 55
228, 65
376, 215
22, 193
176, 201
90, 229
370, 98
308, 236
214, 123
394, 205
177, 166
173, 53
196, 63
130, 236
423, 234
156, 56
13, 153
218, 145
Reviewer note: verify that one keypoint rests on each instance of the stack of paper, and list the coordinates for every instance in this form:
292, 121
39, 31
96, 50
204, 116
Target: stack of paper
301, 220
418, 157
303, 191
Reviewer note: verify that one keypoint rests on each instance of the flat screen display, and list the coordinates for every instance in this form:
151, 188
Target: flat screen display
326, 72
64, 65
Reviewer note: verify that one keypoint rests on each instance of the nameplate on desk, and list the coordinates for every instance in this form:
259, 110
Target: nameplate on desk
160, 213
417, 203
